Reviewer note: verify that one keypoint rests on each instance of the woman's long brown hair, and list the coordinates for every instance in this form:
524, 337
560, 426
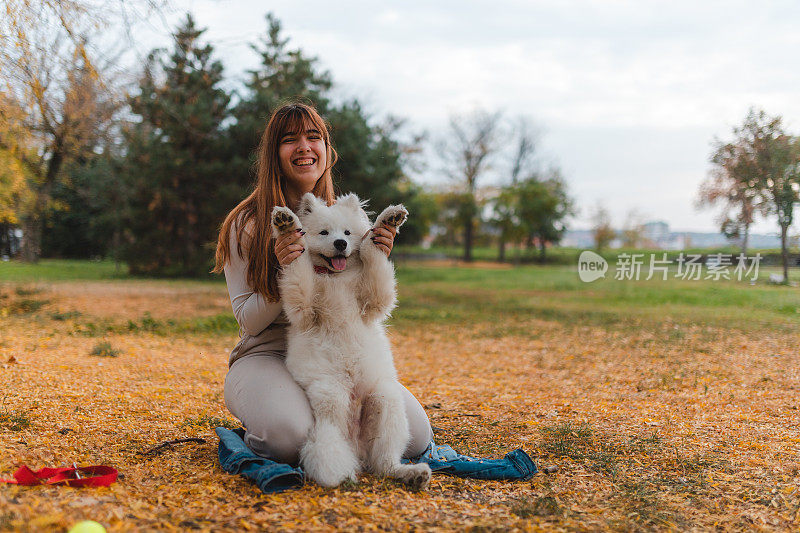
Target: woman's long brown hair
254, 212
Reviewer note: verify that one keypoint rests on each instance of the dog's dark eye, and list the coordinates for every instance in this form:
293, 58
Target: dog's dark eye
346, 232
323, 232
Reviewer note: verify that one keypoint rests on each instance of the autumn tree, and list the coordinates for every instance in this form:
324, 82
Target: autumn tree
467, 149
781, 190
60, 123
773, 157
762, 168
49, 70
602, 231
633, 230
15, 176
731, 185
14, 197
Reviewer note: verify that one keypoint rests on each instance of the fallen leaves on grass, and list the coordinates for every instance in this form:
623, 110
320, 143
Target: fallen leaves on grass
650, 430
12, 419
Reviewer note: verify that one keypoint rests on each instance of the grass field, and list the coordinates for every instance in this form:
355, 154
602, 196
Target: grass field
665, 404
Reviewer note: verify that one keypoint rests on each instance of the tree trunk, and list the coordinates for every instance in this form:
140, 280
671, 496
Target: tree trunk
501, 251
33, 226
192, 240
784, 253
115, 242
745, 239
468, 239
31, 238
542, 248
5, 241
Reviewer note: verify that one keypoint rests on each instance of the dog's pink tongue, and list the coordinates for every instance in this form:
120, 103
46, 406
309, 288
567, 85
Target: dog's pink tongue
339, 262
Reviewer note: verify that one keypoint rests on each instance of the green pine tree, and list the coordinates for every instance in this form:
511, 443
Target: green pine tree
176, 166
85, 219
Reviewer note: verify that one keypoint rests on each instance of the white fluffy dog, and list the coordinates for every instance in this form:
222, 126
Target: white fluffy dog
336, 296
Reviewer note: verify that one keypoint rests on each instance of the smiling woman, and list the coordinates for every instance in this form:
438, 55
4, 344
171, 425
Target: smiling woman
295, 157
303, 159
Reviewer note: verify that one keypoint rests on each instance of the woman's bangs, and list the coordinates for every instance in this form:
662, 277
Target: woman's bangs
299, 120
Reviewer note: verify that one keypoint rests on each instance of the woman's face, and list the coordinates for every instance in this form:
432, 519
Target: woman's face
303, 158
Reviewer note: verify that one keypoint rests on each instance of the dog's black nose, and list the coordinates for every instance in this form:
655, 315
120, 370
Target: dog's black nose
340, 244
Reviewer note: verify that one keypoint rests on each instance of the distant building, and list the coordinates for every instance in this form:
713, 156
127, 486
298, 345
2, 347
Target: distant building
657, 232
678, 241
10, 241
580, 238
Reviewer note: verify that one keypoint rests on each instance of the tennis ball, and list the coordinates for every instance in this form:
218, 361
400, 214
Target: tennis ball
87, 526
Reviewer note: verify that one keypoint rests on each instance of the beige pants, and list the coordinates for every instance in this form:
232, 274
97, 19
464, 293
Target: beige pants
275, 412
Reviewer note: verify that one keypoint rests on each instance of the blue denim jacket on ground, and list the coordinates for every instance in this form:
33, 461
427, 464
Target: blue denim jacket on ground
442, 458
236, 458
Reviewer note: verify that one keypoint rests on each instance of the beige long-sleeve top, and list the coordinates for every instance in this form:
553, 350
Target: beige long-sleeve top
262, 324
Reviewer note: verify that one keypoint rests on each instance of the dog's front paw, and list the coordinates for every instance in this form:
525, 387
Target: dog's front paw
394, 216
284, 220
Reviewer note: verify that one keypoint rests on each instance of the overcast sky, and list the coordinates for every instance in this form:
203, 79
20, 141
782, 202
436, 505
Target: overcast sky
628, 95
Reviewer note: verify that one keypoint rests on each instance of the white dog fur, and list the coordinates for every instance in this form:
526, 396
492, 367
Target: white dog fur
337, 348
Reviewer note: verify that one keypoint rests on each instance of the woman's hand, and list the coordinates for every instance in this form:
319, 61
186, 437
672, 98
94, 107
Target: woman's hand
383, 237
287, 249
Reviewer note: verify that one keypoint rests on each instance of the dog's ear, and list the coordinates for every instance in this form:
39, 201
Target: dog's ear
350, 200
307, 204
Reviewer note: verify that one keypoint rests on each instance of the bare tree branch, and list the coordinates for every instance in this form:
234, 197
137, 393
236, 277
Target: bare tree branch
467, 150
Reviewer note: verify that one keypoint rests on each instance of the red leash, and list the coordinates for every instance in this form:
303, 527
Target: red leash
84, 476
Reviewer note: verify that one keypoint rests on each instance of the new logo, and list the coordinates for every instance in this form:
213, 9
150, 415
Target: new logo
591, 266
